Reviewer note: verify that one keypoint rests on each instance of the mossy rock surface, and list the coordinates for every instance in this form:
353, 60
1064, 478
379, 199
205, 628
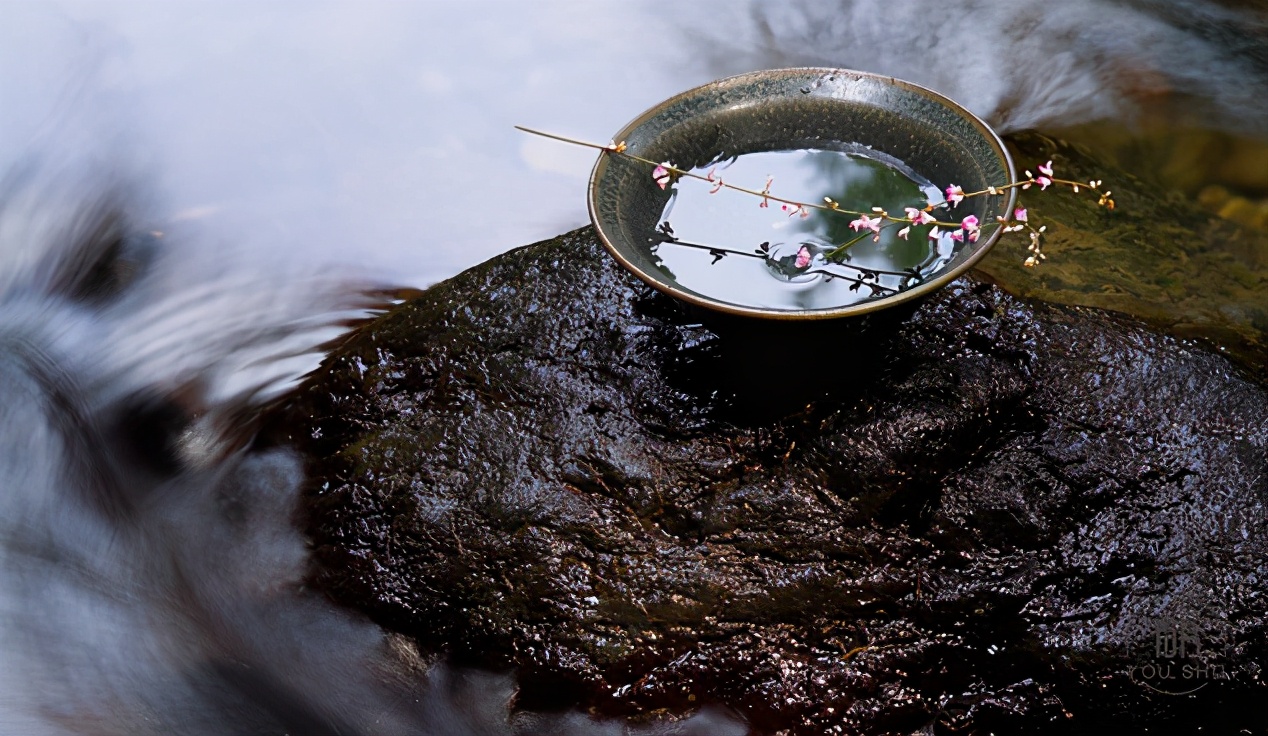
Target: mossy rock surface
1158, 255
977, 514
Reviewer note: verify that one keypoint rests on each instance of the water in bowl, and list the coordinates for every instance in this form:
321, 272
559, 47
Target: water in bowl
726, 246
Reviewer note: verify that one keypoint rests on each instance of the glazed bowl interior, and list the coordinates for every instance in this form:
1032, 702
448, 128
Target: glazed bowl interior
787, 109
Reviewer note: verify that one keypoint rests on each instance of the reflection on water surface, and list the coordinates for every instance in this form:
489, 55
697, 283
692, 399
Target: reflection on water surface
726, 246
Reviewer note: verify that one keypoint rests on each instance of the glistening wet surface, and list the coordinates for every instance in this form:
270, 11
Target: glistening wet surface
272, 143
966, 518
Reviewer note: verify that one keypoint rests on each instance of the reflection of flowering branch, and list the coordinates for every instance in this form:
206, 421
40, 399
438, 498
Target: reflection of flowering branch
871, 223
869, 277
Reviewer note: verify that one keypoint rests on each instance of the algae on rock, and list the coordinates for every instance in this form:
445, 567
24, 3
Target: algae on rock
1158, 256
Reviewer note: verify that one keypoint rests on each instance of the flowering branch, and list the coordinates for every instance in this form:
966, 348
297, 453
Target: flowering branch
666, 173
871, 223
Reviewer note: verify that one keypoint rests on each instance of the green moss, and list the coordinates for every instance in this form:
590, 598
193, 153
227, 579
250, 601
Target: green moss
1158, 256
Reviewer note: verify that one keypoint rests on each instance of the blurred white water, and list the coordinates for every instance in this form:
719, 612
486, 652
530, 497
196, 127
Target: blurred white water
1026, 64
378, 135
283, 146
292, 153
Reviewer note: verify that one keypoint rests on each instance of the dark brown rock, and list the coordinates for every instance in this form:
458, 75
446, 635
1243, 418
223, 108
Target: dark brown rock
978, 514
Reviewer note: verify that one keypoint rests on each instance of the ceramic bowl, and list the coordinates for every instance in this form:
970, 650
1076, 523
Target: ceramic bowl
785, 109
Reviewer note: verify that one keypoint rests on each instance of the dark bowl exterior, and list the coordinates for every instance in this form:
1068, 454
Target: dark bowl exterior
794, 108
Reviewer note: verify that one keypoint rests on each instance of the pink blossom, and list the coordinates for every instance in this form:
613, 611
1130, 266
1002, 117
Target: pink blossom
934, 233
661, 174
794, 210
971, 226
958, 236
1043, 182
865, 222
803, 257
954, 195
918, 217
717, 181
1019, 214
1046, 169
904, 232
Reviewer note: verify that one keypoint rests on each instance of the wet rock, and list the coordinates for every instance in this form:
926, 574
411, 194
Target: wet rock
1160, 255
978, 514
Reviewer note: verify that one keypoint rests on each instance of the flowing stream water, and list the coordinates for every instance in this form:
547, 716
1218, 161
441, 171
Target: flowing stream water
281, 155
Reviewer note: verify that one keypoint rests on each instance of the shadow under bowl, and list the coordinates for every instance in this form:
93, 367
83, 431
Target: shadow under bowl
791, 109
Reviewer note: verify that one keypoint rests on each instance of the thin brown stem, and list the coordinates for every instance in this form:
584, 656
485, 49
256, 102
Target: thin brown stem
619, 149
615, 149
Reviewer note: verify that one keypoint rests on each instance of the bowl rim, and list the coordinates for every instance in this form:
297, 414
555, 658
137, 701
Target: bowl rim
857, 308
